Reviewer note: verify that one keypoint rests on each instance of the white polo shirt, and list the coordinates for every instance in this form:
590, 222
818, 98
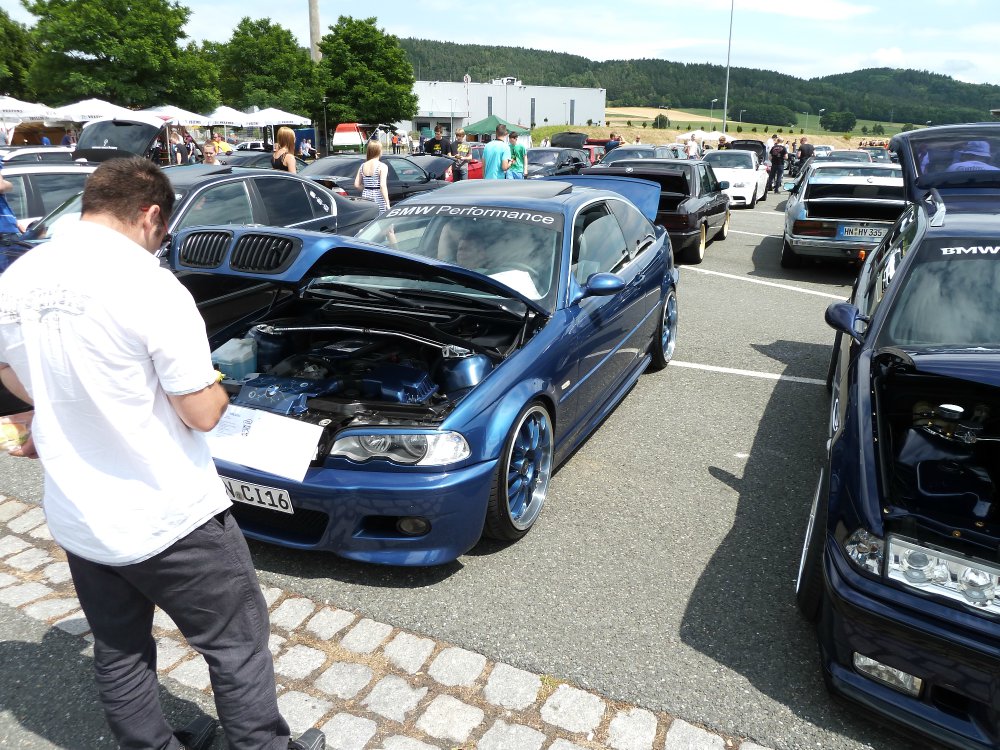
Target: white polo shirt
99, 334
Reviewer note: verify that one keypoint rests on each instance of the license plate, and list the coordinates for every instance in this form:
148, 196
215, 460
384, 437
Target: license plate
258, 495
873, 232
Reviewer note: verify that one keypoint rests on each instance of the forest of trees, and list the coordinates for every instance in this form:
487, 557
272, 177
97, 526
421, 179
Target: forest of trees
882, 94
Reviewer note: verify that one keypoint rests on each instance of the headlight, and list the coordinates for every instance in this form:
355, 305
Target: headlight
961, 579
865, 550
413, 448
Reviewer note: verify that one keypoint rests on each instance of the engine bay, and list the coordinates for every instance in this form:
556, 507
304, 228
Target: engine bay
325, 362
942, 455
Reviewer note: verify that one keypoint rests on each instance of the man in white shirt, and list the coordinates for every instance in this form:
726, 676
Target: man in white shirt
111, 351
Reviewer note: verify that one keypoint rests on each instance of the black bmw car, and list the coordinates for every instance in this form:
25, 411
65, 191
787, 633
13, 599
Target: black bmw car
900, 568
404, 177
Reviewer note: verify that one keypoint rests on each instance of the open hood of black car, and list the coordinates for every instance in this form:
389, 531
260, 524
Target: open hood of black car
568, 139
113, 137
294, 258
973, 365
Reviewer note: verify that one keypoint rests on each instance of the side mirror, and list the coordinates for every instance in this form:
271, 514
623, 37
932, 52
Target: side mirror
724, 185
845, 317
789, 186
603, 285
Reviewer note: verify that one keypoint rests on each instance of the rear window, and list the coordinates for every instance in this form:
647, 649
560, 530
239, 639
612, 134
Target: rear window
854, 192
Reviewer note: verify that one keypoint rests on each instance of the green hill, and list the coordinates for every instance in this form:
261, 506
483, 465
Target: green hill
875, 94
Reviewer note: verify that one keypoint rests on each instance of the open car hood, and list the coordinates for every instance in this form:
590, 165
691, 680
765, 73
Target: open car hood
293, 258
568, 139
973, 365
645, 194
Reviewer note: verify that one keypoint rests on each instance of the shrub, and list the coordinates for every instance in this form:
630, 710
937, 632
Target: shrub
739, 128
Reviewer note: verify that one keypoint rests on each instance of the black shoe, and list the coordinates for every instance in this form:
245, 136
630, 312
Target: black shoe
311, 739
199, 734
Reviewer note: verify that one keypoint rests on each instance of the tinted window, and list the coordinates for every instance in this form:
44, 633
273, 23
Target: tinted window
228, 203
879, 272
404, 170
599, 245
17, 196
286, 201
638, 231
708, 182
54, 189
55, 156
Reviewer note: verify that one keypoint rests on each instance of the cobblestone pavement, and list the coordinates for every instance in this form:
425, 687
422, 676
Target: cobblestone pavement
368, 685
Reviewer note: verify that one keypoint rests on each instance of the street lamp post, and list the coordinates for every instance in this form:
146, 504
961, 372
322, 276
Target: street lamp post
711, 111
741, 116
807, 119
451, 117
729, 49
326, 133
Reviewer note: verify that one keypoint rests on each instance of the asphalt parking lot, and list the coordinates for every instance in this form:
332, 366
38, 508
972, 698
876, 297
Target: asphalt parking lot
661, 572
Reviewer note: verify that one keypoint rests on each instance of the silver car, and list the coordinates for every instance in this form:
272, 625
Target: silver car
840, 210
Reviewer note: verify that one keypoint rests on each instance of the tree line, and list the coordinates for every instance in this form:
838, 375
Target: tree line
134, 53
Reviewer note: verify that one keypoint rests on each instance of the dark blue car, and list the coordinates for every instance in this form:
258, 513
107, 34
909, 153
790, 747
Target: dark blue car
901, 562
441, 365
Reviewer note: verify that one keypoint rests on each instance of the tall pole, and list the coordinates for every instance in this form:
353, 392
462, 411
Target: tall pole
729, 49
314, 52
326, 133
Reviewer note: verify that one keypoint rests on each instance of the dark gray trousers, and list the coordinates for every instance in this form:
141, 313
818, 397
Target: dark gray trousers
207, 584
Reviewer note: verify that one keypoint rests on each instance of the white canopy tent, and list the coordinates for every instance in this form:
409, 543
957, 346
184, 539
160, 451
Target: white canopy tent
227, 117
178, 116
13, 112
90, 109
272, 116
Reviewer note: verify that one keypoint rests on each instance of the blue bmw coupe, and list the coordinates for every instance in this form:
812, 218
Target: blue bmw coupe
445, 361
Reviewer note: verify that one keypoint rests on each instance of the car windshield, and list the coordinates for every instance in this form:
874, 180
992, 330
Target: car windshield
516, 247
730, 159
542, 156
956, 156
623, 152
948, 302
849, 156
333, 166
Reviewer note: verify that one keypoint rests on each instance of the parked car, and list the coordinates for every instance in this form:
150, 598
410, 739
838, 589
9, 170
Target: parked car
638, 151
442, 364
848, 154
840, 210
822, 150
693, 205
255, 159
207, 194
878, 153
899, 568
745, 173
476, 165
437, 167
405, 177
39, 188
252, 146
35, 155
752, 145
553, 162
570, 139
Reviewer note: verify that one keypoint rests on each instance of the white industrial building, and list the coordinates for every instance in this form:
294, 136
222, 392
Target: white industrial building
456, 104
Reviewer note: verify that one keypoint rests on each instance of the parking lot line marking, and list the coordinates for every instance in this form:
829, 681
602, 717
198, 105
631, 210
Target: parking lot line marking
756, 234
748, 373
789, 287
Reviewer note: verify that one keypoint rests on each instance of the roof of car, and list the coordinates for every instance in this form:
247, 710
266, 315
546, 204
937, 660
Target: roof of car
186, 175
655, 165
35, 167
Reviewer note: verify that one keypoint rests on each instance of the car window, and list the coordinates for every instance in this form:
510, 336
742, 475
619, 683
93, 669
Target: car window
285, 200
17, 196
708, 182
228, 203
599, 246
55, 189
638, 232
879, 273
404, 170
63, 157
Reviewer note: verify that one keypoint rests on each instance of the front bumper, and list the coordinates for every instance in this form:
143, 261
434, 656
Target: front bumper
351, 512
956, 654
849, 250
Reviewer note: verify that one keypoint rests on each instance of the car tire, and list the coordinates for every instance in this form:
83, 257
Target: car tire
809, 582
753, 198
696, 254
521, 481
789, 258
662, 349
724, 229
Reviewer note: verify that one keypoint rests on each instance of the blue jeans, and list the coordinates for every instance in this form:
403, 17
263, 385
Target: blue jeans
512, 175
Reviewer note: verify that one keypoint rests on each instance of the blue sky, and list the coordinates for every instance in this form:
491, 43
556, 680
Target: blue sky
807, 38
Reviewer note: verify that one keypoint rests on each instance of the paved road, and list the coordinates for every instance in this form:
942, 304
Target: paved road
662, 570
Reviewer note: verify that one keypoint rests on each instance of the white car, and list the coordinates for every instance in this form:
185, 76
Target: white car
822, 151
41, 188
746, 176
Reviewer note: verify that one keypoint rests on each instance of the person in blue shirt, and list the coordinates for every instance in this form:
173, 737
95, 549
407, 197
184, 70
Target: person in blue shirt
974, 156
496, 156
8, 221
46, 141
